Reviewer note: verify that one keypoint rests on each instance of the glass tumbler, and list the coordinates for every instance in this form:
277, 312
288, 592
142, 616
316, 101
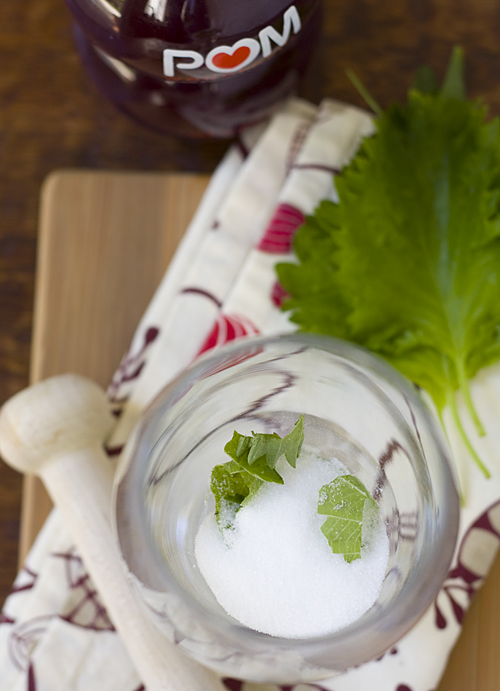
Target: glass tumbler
356, 408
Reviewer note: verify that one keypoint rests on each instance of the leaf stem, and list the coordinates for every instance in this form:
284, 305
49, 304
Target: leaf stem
460, 483
364, 93
463, 384
456, 419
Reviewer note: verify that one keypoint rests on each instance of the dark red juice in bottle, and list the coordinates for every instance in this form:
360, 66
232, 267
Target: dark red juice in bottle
196, 68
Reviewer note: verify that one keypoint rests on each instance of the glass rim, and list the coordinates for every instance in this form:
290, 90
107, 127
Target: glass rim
343, 639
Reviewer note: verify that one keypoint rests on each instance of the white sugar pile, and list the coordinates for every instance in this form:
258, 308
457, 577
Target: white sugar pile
276, 573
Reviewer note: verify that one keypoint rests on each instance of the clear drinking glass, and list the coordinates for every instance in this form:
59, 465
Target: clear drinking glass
357, 408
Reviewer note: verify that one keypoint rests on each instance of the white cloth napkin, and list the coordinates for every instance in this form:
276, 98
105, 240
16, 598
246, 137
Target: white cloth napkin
54, 632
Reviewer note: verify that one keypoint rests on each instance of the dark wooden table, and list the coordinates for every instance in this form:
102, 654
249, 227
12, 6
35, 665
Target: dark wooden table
51, 117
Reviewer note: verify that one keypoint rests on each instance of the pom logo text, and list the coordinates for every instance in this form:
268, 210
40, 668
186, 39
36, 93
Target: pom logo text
227, 59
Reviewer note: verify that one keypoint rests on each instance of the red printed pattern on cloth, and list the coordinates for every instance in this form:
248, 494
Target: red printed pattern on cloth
24, 637
278, 294
237, 685
86, 611
227, 327
130, 368
467, 576
278, 236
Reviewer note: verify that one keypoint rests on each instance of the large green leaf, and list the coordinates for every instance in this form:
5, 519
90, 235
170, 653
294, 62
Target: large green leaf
408, 262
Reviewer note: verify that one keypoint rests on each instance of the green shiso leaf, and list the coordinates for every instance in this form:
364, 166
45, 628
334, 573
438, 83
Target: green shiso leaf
253, 462
453, 84
230, 489
344, 501
238, 449
425, 80
407, 263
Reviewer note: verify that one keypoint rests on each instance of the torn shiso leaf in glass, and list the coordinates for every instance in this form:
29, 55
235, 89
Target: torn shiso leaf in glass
273, 562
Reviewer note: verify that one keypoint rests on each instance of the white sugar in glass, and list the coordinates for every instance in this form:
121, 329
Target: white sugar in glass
275, 571
360, 417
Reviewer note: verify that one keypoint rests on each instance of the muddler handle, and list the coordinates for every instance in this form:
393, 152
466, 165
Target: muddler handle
56, 429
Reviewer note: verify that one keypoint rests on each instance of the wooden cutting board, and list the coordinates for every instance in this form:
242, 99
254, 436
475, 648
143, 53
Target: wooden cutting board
105, 240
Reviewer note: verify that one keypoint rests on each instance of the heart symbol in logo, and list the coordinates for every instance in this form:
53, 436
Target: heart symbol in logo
233, 58
226, 61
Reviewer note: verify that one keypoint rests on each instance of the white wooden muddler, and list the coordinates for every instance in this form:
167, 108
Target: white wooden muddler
56, 429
